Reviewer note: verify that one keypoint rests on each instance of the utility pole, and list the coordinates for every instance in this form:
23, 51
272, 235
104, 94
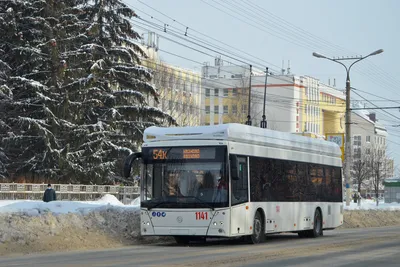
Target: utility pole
263, 123
348, 150
248, 122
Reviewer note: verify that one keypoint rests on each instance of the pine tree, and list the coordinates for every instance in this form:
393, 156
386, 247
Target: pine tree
113, 107
29, 47
74, 93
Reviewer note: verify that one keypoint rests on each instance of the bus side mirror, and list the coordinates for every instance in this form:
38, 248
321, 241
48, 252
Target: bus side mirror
129, 161
234, 163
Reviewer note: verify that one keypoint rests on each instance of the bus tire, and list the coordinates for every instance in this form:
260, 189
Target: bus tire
182, 240
317, 229
258, 235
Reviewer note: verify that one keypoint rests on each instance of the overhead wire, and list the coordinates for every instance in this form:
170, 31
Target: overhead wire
186, 27
368, 73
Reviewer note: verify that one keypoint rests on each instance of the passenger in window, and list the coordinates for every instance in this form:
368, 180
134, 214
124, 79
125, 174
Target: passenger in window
189, 184
173, 185
207, 188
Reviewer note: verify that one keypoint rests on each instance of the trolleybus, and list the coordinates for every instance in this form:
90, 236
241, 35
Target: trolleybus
234, 180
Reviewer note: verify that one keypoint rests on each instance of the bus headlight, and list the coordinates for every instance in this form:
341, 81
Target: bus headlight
221, 222
215, 223
146, 223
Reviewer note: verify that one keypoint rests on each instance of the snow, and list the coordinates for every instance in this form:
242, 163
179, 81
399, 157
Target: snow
370, 204
81, 81
392, 180
33, 83
34, 207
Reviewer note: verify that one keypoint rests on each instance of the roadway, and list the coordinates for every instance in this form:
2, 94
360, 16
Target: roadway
351, 247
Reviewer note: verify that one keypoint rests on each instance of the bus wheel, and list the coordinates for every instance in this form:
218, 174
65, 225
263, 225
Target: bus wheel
182, 240
258, 235
317, 230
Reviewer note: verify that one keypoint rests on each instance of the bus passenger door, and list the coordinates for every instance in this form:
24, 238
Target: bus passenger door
239, 198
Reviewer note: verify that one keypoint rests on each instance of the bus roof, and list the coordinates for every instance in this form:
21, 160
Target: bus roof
243, 134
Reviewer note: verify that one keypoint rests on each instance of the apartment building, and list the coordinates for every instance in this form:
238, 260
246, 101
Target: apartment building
179, 89
297, 104
369, 144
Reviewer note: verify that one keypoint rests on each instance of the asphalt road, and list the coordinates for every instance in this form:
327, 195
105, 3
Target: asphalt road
355, 247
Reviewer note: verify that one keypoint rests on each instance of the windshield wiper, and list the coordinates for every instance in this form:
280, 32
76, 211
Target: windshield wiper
157, 204
199, 200
192, 197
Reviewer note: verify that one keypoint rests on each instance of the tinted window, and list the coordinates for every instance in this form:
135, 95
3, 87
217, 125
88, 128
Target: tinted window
279, 180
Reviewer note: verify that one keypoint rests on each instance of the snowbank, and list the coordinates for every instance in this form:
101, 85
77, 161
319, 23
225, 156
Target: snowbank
34, 207
34, 226
369, 204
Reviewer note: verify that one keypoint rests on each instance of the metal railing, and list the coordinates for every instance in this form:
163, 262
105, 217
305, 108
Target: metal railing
13, 191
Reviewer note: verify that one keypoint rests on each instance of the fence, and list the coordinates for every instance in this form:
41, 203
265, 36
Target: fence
12, 191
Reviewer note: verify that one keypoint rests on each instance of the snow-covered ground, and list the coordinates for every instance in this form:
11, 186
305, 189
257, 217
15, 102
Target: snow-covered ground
32, 208
36, 207
28, 226
369, 204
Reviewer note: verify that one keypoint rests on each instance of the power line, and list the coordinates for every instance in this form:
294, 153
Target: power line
383, 83
205, 35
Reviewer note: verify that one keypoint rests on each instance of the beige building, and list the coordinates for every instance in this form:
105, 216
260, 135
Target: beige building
296, 104
179, 89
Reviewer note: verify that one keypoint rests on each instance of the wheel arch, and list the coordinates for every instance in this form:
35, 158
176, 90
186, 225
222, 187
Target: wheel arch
263, 218
322, 214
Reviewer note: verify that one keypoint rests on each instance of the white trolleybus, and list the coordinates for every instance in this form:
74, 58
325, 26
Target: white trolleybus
236, 180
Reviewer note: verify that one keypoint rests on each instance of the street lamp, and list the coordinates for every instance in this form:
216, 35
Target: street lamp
348, 152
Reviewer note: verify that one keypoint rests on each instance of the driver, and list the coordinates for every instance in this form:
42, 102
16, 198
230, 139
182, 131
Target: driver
222, 189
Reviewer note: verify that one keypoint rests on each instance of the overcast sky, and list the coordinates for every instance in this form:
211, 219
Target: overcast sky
272, 31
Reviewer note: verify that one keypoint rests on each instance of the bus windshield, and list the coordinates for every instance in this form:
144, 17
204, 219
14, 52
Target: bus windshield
184, 177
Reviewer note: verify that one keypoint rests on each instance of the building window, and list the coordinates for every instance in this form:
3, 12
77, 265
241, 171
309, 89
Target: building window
226, 110
234, 92
357, 140
368, 139
234, 109
207, 109
244, 108
207, 92
216, 92
368, 151
216, 109
226, 92
357, 152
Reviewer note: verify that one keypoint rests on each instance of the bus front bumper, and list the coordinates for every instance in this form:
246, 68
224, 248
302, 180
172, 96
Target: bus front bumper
217, 225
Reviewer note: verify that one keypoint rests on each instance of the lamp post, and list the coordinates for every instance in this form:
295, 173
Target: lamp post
348, 152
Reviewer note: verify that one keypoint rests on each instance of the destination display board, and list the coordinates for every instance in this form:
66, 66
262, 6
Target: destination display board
159, 154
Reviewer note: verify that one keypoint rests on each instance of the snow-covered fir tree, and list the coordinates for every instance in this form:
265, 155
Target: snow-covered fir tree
78, 93
113, 108
28, 141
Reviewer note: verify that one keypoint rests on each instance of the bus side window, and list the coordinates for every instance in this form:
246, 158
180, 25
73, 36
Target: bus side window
240, 186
